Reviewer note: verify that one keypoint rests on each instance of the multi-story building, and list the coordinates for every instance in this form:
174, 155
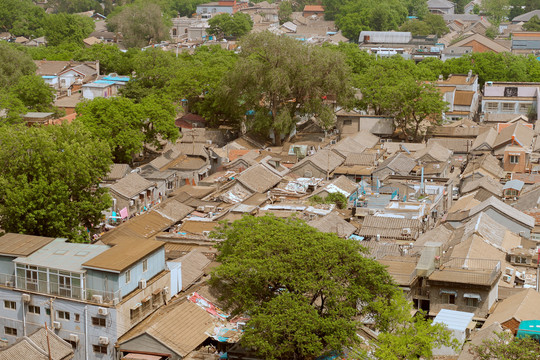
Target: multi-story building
510, 97
89, 295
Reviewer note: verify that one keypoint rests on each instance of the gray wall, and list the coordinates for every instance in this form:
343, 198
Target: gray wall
146, 343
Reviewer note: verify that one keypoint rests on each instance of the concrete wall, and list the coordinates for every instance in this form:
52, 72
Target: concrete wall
156, 264
436, 298
76, 326
6, 266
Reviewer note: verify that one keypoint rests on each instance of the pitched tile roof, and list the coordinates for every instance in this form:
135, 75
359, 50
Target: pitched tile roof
324, 160
505, 209
516, 133
485, 140
521, 306
258, 178
463, 97
435, 151
131, 185
487, 42
22, 245
400, 163
117, 172
333, 223
390, 227
36, 347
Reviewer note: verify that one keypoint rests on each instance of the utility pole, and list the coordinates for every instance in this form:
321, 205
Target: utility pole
48, 342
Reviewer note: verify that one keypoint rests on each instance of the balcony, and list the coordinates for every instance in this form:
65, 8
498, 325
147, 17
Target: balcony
468, 271
61, 289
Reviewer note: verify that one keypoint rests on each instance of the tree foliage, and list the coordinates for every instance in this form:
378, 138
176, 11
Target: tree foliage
67, 28
285, 12
13, 65
431, 25
141, 24
230, 26
21, 18
533, 24
497, 10
301, 287
273, 80
74, 6
49, 180
505, 347
34, 93
126, 126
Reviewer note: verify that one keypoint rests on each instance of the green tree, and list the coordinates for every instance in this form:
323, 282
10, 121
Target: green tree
111, 58
273, 79
431, 25
417, 8
533, 24
13, 65
49, 180
506, 347
410, 337
67, 28
284, 12
141, 24
492, 32
34, 93
230, 26
75, 6
497, 10
301, 287
126, 126
21, 17
11, 109
416, 27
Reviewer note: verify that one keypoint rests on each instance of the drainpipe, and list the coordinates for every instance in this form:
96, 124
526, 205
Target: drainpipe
86, 332
23, 317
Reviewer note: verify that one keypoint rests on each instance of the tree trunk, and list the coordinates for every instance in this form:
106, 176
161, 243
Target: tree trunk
277, 137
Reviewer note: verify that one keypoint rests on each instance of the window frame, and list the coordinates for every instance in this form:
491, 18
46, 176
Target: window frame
65, 315
97, 321
511, 159
127, 276
492, 106
449, 299
10, 305
12, 331
145, 265
99, 349
34, 308
508, 106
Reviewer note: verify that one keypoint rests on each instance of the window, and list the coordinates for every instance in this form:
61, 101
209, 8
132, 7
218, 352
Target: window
520, 260
72, 343
174, 32
32, 278
34, 309
514, 159
508, 106
48, 311
97, 321
10, 305
64, 284
10, 331
472, 302
347, 122
128, 276
524, 108
77, 317
145, 265
492, 106
63, 315
100, 349
448, 298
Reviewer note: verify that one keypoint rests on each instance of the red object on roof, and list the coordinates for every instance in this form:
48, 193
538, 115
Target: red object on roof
314, 8
179, 123
190, 121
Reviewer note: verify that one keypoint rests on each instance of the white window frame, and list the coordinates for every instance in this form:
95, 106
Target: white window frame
514, 159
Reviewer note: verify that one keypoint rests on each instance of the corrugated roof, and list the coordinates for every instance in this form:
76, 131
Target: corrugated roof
183, 329
193, 265
385, 37
258, 178
463, 97
400, 163
21, 244
131, 185
390, 227
125, 252
454, 320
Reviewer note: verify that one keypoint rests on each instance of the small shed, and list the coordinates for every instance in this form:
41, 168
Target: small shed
529, 328
458, 323
512, 188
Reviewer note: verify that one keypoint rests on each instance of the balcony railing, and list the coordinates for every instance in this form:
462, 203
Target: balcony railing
60, 289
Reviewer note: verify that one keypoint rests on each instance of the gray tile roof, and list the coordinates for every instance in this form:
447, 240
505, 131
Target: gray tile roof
333, 223
258, 178
505, 209
131, 185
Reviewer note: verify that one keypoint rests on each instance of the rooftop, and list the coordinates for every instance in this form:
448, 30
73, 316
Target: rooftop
22, 245
62, 255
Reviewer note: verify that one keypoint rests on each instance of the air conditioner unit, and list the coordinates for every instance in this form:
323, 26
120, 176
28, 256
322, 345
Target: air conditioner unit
371, 212
103, 340
74, 338
507, 278
57, 325
510, 271
142, 284
103, 311
9, 283
97, 298
131, 202
25, 298
166, 290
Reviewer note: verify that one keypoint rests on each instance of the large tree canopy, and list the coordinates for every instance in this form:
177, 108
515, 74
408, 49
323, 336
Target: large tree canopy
141, 24
305, 291
274, 80
67, 28
226, 25
505, 347
13, 65
49, 180
127, 125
